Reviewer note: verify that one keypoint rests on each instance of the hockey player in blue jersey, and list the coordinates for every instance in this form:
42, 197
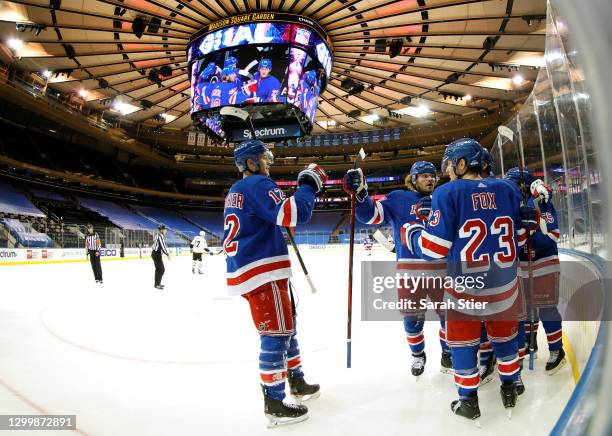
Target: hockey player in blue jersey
478, 225
486, 356
207, 80
308, 93
226, 92
268, 86
399, 208
232, 62
545, 270
258, 268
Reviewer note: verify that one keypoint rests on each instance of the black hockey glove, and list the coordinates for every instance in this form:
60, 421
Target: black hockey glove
354, 183
530, 217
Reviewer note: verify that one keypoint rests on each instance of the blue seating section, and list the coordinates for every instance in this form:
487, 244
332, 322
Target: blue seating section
321, 222
319, 229
27, 237
120, 216
13, 201
170, 219
47, 195
210, 220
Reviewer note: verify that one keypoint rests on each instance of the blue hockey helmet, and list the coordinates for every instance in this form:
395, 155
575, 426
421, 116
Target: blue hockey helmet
518, 176
265, 63
250, 149
488, 161
465, 148
310, 77
422, 167
228, 71
230, 62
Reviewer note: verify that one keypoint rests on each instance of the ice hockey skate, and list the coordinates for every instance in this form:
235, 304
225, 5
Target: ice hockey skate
280, 413
418, 364
467, 407
556, 361
509, 396
520, 387
301, 390
446, 363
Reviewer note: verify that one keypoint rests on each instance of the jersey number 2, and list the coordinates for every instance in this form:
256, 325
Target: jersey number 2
232, 222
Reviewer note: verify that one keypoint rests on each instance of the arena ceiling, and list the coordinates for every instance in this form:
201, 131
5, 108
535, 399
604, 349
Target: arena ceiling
452, 57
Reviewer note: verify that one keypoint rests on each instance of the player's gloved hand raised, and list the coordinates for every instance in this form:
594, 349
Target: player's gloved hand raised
354, 183
314, 176
540, 189
530, 217
408, 230
423, 208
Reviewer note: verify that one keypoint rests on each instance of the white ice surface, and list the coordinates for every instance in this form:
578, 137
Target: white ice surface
130, 360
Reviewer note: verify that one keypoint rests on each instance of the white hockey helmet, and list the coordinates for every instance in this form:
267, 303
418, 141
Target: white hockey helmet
202, 233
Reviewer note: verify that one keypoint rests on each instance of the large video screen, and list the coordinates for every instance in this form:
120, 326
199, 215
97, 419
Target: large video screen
263, 33
255, 75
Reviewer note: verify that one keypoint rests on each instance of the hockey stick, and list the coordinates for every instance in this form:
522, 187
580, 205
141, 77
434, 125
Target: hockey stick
357, 164
509, 134
299, 256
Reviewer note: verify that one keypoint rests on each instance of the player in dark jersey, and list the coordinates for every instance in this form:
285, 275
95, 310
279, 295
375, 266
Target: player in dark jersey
399, 208
258, 268
478, 225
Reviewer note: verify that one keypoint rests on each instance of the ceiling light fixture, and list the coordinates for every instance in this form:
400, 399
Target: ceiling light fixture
15, 44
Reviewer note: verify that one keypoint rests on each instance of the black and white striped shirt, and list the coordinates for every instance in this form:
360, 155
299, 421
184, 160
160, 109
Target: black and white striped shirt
92, 242
160, 244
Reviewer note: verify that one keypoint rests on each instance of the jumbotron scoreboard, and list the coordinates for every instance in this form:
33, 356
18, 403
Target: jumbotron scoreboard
274, 65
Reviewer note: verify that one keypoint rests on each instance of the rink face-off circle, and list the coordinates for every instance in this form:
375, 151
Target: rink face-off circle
127, 359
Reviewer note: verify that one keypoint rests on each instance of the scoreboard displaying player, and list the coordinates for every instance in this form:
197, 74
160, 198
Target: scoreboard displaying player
275, 65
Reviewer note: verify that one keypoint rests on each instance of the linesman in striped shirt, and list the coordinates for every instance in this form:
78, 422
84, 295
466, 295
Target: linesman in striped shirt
92, 247
159, 248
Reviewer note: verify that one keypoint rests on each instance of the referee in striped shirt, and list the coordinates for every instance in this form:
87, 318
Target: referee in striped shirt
93, 245
159, 248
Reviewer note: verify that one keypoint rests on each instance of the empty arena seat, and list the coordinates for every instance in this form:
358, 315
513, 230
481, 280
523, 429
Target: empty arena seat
14, 202
210, 220
26, 236
170, 219
120, 216
321, 221
47, 195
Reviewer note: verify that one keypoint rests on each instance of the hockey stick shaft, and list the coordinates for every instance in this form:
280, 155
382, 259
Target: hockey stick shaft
504, 131
350, 282
357, 164
507, 133
302, 264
